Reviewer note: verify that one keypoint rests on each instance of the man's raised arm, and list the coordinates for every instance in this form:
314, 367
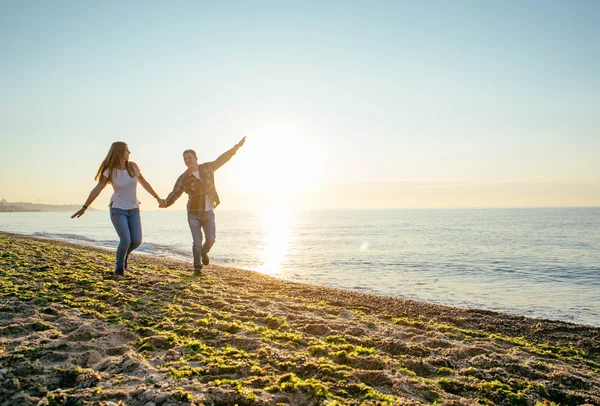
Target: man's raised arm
220, 161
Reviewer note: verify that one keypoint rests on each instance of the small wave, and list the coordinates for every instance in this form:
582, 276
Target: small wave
146, 248
58, 236
163, 251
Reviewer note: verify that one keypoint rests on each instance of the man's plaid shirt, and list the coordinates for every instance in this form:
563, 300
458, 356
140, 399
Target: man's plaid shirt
199, 189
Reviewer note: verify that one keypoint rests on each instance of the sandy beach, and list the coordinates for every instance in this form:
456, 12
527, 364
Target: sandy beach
72, 334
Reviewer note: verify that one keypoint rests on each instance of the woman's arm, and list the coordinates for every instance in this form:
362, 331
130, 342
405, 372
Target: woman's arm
149, 189
93, 195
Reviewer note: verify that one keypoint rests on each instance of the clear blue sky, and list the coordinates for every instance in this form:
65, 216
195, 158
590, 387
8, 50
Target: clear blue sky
429, 91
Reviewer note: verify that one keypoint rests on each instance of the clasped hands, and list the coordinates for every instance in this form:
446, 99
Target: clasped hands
162, 203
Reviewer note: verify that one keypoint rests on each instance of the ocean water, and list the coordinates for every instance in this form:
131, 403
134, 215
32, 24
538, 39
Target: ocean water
536, 262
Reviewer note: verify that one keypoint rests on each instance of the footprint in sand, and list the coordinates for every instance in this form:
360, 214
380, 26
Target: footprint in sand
83, 333
88, 358
121, 336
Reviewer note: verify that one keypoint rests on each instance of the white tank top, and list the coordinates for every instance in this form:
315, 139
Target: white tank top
125, 190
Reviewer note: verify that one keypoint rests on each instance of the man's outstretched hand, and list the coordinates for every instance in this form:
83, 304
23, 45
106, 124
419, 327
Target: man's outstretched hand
239, 144
162, 203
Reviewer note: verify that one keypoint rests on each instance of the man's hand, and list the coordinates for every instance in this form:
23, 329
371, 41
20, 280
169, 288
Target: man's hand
239, 144
162, 203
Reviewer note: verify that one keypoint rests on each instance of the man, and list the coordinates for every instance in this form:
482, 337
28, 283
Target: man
199, 183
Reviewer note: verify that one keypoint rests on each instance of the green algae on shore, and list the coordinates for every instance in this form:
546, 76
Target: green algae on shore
72, 334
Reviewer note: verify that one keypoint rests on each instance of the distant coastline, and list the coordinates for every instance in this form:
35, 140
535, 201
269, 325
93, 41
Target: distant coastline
20, 207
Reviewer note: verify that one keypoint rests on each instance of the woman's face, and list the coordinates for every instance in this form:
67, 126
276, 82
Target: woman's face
127, 152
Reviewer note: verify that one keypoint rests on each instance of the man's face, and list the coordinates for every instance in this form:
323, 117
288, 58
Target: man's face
190, 159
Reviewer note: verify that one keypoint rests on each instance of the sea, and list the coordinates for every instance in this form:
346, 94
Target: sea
535, 262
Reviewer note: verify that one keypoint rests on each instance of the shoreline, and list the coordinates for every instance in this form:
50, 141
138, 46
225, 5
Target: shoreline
518, 312
387, 302
238, 336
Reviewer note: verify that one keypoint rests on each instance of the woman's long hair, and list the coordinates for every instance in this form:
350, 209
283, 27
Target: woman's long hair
113, 159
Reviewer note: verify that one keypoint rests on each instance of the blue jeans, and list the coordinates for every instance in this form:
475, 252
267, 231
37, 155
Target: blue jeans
129, 228
197, 224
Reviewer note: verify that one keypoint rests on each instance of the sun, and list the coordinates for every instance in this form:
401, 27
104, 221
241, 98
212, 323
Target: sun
280, 164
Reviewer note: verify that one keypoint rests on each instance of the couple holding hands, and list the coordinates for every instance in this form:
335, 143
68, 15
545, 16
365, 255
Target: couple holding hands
197, 181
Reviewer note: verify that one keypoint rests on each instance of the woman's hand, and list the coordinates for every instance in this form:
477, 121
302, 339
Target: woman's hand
93, 195
79, 213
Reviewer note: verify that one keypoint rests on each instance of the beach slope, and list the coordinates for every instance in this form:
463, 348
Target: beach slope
71, 334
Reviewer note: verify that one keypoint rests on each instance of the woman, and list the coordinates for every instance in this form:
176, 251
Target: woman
124, 175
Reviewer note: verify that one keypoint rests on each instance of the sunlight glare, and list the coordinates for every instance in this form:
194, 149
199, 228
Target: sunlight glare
281, 163
277, 227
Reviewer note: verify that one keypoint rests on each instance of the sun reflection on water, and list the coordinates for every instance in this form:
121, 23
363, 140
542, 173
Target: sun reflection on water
277, 229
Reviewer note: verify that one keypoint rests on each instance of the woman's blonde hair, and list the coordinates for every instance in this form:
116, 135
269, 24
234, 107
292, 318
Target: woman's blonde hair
113, 159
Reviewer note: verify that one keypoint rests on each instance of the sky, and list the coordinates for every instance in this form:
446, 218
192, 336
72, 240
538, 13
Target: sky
345, 104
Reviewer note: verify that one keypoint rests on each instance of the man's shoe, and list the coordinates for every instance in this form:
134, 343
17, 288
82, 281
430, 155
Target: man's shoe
119, 272
197, 272
205, 259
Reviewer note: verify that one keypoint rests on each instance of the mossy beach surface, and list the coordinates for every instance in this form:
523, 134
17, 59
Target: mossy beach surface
71, 334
